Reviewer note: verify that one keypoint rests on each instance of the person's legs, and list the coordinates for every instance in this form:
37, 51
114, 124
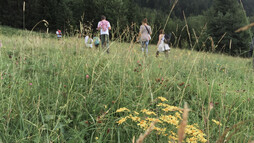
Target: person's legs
147, 42
102, 41
157, 54
89, 45
107, 42
96, 46
142, 46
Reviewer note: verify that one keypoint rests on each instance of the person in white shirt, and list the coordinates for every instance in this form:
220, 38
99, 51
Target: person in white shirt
161, 45
104, 27
88, 42
59, 34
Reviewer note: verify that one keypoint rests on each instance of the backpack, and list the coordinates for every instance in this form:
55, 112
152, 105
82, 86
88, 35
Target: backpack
96, 41
59, 32
167, 38
104, 25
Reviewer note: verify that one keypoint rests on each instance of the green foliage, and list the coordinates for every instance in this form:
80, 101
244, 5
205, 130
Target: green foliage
11, 13
191, 8
226, 16
126, 15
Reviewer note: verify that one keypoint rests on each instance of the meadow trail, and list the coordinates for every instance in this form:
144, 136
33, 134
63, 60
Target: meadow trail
59, 91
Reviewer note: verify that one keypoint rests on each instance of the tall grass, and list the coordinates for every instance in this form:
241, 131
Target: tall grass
46, 95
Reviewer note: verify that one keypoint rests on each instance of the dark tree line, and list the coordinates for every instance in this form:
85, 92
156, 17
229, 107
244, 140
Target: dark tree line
60, 13
219, 16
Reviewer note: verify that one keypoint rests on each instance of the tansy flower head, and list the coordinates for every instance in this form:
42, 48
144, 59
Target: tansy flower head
147, 112
136, 113
122, 120
143, 124
134, 118
122, 110
162, 99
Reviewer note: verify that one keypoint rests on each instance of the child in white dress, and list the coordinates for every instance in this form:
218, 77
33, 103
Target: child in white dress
161, 45
88, 42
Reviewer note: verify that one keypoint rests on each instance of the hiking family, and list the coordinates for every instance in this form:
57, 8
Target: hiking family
144, 36
104, 27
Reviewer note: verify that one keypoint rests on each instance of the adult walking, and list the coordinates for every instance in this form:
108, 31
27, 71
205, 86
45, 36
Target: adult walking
144, 36
104, 27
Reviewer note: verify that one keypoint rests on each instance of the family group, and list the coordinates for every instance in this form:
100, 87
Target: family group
144, 37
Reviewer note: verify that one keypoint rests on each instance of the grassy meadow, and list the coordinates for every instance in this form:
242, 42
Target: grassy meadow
60, 91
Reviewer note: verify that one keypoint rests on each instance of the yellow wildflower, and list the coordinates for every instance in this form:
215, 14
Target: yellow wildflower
217, 122
96, 138
143, 124
177, 114
122, 109
162, 99
122, 120
162, 105
170, 119
193, 133
147, 112
197, 135
170, 108
136, 113
203, 140
161, 130
173, 137
153, 120
192, 140
134, 118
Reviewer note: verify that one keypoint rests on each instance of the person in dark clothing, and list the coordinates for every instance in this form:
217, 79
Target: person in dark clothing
251, 48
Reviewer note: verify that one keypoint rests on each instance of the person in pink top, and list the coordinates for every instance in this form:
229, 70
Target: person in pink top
104, 27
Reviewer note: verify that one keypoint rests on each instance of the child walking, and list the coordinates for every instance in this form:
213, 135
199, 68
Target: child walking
88, 41
162, 46
58, 34
96, 40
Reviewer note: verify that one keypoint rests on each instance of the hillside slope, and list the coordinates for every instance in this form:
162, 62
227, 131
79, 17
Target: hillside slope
60, 91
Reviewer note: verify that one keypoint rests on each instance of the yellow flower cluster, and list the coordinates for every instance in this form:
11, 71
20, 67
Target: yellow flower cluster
195, 133
168, 121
